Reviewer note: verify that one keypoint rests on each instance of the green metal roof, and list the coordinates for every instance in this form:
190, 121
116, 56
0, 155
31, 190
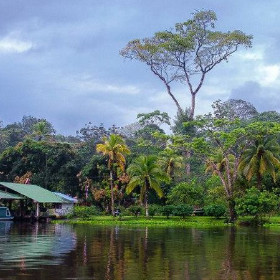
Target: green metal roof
34, 192
6, 195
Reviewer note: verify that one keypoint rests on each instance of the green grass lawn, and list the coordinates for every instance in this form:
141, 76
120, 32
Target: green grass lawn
157, 221
273, 221
160, 221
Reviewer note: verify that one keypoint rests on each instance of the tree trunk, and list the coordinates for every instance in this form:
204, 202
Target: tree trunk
187, 155
232, 213
259, 180
146, 204
192, 107
112, 193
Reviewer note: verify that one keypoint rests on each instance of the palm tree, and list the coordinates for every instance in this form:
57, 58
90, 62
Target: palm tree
260, 158
145, 173
42, 130
115, 149
170, 161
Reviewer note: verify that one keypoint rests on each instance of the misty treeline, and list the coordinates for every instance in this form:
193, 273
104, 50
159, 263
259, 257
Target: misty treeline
227, 159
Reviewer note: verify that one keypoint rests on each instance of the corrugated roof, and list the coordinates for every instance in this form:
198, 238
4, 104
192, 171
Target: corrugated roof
34, 192
6, 195
66, 197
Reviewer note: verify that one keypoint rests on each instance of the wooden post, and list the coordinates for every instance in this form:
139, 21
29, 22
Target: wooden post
37, 210
21, 209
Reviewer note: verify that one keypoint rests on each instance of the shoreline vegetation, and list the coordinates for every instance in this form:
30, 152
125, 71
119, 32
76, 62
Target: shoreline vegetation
160, 221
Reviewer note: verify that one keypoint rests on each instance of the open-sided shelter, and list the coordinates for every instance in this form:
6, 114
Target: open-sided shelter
25, 191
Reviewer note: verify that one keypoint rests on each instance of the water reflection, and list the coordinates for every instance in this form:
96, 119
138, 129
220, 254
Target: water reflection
28, 246
192, 254
44, 251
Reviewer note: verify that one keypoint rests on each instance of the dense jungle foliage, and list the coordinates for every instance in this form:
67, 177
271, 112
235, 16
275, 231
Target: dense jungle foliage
225, 163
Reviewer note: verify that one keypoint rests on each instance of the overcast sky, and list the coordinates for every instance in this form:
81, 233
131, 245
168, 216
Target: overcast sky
59, 59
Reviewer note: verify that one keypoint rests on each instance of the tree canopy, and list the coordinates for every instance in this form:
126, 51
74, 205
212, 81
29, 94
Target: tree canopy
187, 52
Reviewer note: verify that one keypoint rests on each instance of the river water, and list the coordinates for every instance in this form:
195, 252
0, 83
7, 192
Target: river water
60, 251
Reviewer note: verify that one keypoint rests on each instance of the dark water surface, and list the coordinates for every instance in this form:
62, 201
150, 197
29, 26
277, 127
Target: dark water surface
49, 251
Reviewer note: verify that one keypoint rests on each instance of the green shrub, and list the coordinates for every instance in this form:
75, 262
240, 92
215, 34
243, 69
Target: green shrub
123, 211
153, 210
84, 212
136, 210
182, 210
186, 193
167, 210
215, 210
256, 203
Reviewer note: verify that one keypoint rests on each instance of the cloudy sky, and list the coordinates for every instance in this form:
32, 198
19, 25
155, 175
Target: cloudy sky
59, 59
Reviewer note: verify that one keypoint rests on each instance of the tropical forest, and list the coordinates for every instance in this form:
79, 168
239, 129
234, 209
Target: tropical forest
223, 164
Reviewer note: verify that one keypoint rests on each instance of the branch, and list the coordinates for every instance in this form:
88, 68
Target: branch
219, 173
168, 89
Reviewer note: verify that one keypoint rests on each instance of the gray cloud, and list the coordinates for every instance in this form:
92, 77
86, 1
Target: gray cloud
263, 98
76, 39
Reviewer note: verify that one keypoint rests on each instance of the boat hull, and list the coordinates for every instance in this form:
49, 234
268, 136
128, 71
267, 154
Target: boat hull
6, 218
5, 214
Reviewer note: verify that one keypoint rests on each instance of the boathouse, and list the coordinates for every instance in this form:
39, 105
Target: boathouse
24, 192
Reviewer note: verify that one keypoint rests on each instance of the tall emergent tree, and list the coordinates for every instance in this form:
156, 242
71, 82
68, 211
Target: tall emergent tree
187, 53
115, 149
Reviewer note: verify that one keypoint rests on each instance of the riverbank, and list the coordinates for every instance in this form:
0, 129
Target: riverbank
159, 221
